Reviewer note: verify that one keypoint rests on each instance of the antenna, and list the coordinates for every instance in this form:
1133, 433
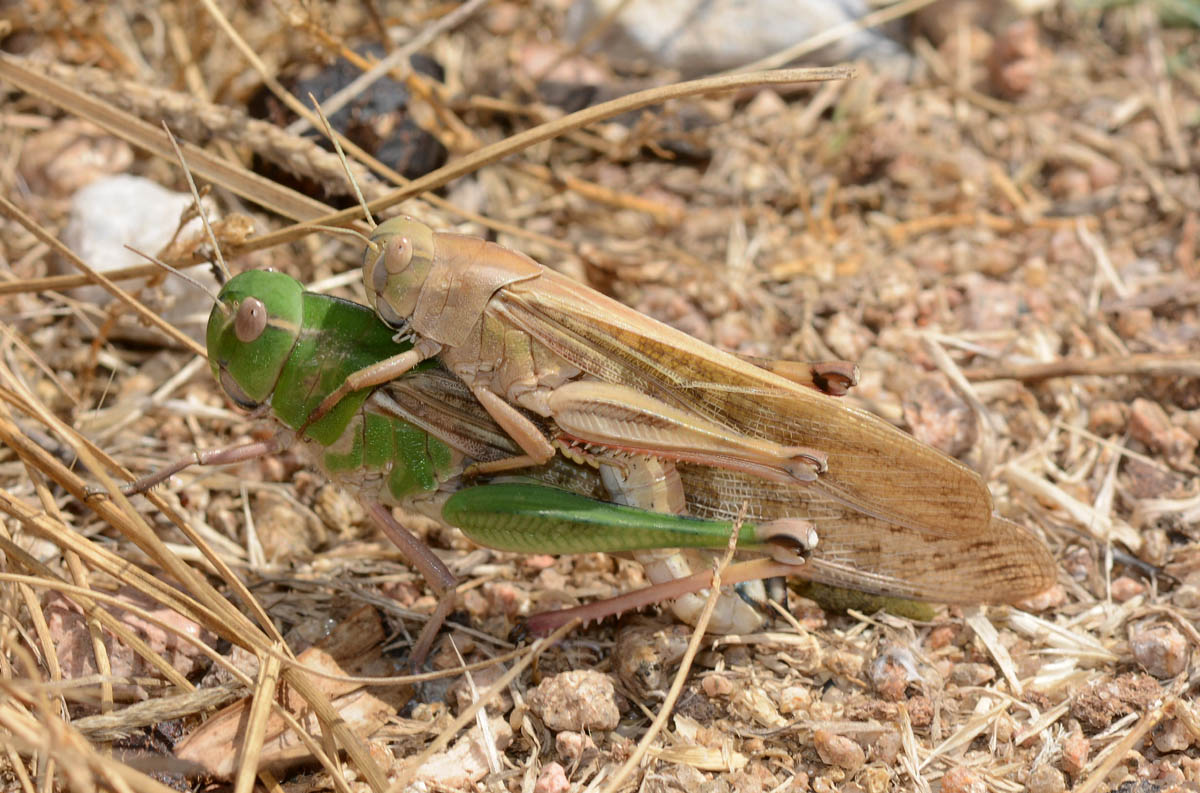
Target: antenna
176, 272
199, 207
343, 230
345, 164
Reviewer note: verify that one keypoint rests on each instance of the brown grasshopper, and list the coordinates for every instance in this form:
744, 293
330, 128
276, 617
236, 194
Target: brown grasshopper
443, 297
525, 337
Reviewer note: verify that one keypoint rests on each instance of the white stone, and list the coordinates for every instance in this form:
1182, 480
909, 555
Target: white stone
704, 36
117, 211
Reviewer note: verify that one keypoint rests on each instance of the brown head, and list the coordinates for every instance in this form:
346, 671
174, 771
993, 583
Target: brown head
395, 267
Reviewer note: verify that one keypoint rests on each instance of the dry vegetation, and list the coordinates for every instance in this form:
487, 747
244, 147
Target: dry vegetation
1005, 240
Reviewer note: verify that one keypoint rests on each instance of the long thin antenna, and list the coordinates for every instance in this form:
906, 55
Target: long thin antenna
212, 238
345, 164
347, 231
176, 272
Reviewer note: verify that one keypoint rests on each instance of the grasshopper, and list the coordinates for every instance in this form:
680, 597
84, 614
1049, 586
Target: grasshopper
277, 350
526, 339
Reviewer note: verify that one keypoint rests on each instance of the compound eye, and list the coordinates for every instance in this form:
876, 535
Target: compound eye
379, 277
389, 315
235, 392
251, 320
399, 254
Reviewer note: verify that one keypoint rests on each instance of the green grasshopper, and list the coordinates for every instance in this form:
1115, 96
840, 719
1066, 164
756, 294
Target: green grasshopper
527, 340
278, 350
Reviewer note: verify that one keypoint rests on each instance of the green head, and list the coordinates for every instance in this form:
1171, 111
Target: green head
251, 332
395, 266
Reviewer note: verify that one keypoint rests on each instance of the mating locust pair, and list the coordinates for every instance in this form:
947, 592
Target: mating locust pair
538, 415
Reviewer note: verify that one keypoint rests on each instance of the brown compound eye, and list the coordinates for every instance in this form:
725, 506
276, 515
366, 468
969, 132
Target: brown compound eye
251, 320
379, 276
389, 315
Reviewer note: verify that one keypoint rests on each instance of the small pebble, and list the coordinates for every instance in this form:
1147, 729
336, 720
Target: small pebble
593, 563
1046, 779
573, 746
551, 580
940, 417
1187, 595
820, 709
992, 303
717, 685
752, 703
465, 762
959, 39
876, 779
505, 598
1079, 563
794, 699
1052, 598
942, 636
1145, 479
578, 700
824, 784
920, 712
1172, 736
284, 533
552, 779
1004, 727
337, 509
737, 655
460, 691
502, 19
1135, 323
1180, 448
960, 779
844, 663
1150, 425
846, 337
1125, 588
1107, 418
1101, 702
476, 604
1070, 183
1103, 172
838, 750
1035, 273
1148, 137
1014, 64
1075, 752
1160, 649
536, 57
886, 748
1156, 547
892, 671
766, 104
1169, 777
972, 674
69, 155
1064, 248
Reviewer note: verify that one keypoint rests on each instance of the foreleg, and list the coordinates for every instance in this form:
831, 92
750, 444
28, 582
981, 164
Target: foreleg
225, 456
